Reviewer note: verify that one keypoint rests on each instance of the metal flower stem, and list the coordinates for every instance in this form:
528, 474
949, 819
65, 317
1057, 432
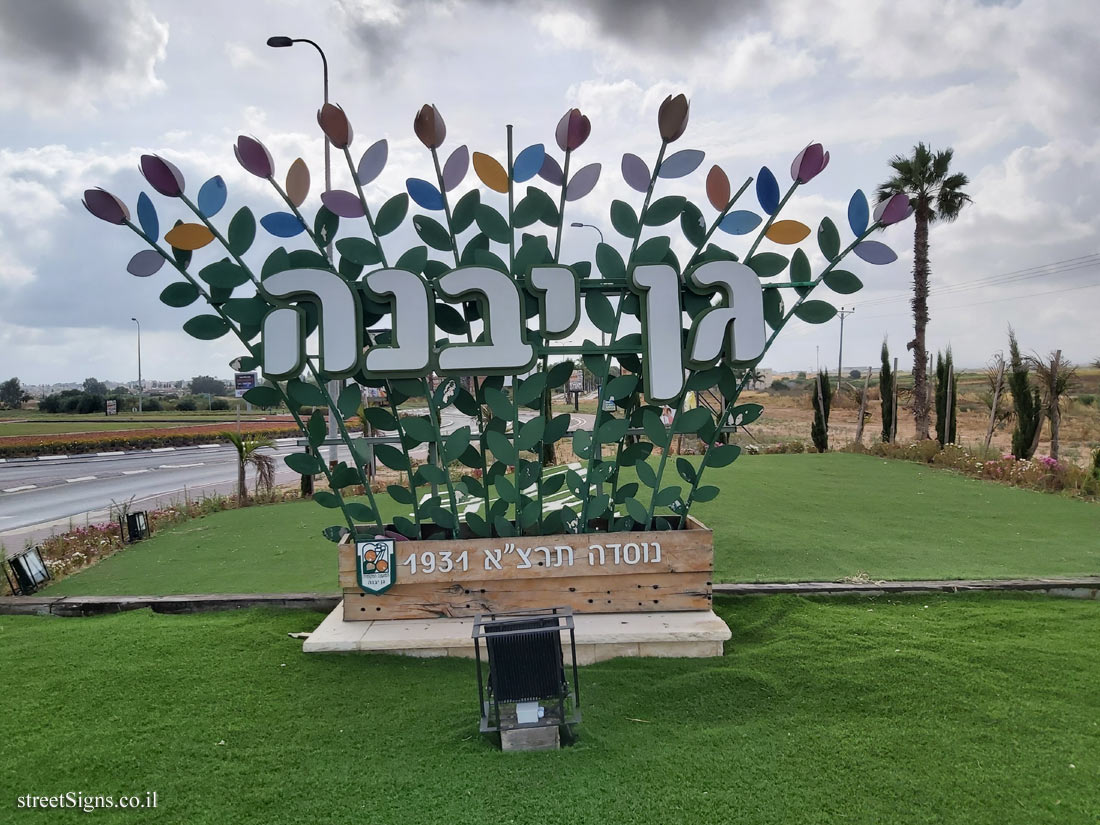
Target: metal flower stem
465, 312
334, 411
767, 345
389, 386
251, 351
664, 459
771, 218
614, 335
433, 415
511, 209
561, 204
298, 214
714, 226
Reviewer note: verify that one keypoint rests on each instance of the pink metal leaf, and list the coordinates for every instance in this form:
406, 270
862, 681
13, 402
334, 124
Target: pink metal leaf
373, 161
635, 172
583, 182
145, 263
342, 203
254, 157
454, 170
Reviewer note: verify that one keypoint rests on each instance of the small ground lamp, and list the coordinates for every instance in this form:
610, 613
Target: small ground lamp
137, 526
25, 572
526, 696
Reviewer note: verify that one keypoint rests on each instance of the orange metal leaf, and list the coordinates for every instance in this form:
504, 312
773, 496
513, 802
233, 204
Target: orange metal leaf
189, 236
490, 171
297, 182
787, 232
718, 188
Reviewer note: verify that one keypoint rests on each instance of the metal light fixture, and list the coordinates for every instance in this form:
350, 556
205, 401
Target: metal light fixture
27, 572
526, 696
137, 526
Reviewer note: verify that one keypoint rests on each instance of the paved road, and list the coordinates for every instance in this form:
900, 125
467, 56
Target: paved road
44, 496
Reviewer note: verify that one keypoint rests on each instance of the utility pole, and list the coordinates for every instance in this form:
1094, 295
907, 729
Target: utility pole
840, 357
140, 385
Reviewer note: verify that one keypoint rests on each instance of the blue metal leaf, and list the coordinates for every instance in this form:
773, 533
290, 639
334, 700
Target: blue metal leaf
740, 222
282, 224
767, 190
424, 194
874, 252
528, 162
212, 196
858, 213
147, 217
682, 163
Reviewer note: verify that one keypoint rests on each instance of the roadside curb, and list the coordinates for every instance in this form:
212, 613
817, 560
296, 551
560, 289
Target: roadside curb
1085, 587
287, 441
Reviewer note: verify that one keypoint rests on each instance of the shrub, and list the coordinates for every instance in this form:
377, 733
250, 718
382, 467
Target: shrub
152, 405
779, 386
1087, 400
946, 403
1026, 401
219, 404
186, 405
886, 395
821, 395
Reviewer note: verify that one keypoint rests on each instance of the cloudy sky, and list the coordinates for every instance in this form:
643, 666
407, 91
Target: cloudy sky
87, 86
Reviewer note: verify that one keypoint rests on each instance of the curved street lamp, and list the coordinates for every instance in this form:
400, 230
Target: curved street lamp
140, 387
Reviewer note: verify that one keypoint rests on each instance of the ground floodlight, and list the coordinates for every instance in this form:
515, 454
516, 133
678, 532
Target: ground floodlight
527, 696
26, 572
137, 526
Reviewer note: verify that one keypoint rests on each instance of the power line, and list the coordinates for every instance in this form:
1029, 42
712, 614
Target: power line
993, 300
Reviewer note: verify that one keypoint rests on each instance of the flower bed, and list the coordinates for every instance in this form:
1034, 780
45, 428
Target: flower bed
19, 446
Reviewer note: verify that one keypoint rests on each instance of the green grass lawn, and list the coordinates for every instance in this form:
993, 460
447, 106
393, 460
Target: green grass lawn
778, 518
88, 425
976, 709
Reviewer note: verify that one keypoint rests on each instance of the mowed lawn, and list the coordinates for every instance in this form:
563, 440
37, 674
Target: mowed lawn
977, 709
778, 518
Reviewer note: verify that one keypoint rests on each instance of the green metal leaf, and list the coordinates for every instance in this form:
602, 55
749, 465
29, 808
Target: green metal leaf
413, 260
247, 311
503, 527
391, 214
767, 264
621, 386
463, 214
391, 456
528, 210
596, 364
646, 474
430, 474
530, 389
530, 433
842, 281
800, 267
501, 447
582, 443
529, 514
557, 427
745, 414
305, 464
317, 428
815, 312
666, 497
326, 224
444, 517
445, 393
491, 260
654, 428
599, 310
456, 444
723, 455
705, 494
277, 261
773, 308
686, 470
828, 239
263, 396
351, 397
242, 231
432, 233
692, 421
401, 494
406, 527
624, 219
224, 273
610, 263
637, 511
552, 483
465, 403
506, 489
626, 491
613, 430
305, 395
359, 251
418, 428
652, 251
326, 499
360, 512
179, 294
663, 210
692, 224
335, 533
206, 327
380, 418
638, 451
499, 403
559, 373
492, 223
344, 476
477, 524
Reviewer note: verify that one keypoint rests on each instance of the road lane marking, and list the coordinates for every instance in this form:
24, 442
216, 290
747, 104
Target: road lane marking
20, 489
134, 472
162, 449
180, 466
82, 478
113, 452
51, 457
208, 446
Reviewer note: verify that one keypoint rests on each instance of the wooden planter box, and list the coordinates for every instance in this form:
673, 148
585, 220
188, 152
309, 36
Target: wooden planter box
590, 572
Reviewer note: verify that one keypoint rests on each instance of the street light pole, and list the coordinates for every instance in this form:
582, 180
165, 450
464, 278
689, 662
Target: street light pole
840, 357
140, 386
334, 387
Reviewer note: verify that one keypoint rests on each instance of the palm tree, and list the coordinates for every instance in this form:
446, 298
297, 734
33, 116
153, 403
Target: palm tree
935, 195
1056, 378
248, 453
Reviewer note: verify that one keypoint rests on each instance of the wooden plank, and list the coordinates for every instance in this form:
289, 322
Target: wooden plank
560, 556
585, 594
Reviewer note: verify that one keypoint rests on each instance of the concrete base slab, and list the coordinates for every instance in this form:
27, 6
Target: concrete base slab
600, 636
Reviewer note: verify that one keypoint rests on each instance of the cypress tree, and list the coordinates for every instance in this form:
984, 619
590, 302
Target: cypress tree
944, 365
886, 391
822, 395
1026, 401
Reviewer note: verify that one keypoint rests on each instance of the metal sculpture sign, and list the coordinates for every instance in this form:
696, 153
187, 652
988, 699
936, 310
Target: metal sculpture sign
485, 295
